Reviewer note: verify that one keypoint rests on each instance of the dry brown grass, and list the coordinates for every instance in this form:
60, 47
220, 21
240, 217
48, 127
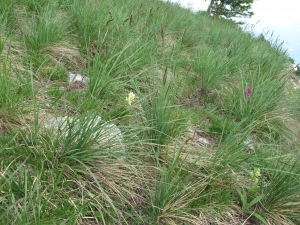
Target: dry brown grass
66, 54
12, 57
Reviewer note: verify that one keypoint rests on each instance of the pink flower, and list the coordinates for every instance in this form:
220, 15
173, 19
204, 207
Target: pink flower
248, 93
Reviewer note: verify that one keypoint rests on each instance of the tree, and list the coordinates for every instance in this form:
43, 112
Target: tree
230, 8
297, 70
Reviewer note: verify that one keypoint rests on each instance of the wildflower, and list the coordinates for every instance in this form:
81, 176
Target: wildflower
130, 98
255, 174
248, 93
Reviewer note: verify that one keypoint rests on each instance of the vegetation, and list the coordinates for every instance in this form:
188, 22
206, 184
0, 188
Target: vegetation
230, 8
208, 116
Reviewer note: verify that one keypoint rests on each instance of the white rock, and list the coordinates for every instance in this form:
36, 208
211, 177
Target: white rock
193, 135
56, 122
203, 140
249, 144
108, 135
78, 77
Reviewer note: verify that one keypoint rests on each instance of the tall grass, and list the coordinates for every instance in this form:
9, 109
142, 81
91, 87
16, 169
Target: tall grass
48, 26
210, 106
281, 201
265, 109
175, 192
211, 67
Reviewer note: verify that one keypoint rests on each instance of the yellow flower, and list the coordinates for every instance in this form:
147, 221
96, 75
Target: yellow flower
255, 174
130, 98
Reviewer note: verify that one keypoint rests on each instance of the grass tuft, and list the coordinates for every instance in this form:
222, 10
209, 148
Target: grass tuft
181, 118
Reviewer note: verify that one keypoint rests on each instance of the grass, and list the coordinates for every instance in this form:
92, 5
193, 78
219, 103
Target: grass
186, 148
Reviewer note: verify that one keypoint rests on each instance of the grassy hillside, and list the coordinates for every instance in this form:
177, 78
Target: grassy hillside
180, 118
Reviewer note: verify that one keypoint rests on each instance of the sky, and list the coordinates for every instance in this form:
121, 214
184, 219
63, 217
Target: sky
282, 17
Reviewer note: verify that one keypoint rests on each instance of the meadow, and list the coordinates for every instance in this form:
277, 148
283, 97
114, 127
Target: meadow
180, 118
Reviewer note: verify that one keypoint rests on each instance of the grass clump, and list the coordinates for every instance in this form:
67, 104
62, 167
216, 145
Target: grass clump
43, 28
180, 119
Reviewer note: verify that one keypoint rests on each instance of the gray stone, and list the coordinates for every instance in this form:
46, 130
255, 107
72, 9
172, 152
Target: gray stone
108, 135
